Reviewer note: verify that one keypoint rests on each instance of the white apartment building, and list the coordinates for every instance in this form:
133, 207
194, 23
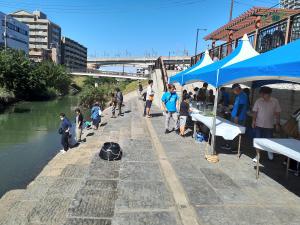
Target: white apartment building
44, 36
17, 33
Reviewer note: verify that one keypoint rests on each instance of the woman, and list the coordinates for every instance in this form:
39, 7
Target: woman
96, 115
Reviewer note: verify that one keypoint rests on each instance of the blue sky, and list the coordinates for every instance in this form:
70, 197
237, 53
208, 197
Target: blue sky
112, 28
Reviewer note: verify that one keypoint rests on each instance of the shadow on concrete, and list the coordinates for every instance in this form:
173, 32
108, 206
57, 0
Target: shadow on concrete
127, 111
273, 169
90, 134
156, 114
103, 124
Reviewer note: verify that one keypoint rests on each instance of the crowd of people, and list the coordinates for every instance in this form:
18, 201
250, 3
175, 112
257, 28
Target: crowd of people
233, 105
65, 129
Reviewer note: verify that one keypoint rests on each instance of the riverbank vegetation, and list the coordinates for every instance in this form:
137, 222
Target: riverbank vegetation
106, 86
23, 79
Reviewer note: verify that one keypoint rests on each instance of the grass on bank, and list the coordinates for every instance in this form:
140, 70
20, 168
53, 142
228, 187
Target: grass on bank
102, 94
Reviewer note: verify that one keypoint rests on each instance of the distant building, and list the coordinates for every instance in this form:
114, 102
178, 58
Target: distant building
17, 33
44, 36
290, 4
73, 54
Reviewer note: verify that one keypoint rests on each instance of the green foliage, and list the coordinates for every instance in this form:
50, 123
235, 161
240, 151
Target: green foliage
92, 94
31, 81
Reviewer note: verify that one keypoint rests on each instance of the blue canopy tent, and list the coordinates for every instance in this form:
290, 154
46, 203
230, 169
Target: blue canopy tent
204, 61
282, 63
209, 73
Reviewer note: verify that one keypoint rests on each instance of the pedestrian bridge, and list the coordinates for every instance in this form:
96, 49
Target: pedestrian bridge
111, 74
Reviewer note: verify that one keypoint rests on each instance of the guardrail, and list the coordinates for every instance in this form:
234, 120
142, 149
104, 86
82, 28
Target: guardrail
262, 39
113, 73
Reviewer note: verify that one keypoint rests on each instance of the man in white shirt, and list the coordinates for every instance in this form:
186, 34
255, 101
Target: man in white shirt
266, 113
149, 99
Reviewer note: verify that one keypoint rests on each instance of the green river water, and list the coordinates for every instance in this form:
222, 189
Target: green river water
29, 139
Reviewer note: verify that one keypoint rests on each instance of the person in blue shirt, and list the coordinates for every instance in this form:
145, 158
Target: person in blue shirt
64, 130
170, 104
224, 100
96, 115
240, 107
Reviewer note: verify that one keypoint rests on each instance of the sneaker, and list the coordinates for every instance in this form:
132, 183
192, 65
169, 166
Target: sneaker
254, 160
63, 151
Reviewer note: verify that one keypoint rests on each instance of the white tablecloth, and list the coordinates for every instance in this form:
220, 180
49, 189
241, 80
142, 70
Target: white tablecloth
224, 128
287, 147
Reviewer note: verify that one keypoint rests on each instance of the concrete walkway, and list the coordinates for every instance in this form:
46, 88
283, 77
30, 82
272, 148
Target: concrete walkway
161, 180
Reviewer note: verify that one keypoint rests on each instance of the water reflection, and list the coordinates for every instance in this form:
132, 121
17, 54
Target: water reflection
29, 139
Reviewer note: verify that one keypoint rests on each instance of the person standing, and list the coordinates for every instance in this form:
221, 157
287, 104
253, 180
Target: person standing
119, 98
240, 107
266, 113
224, 100
64, 131
96, 115
79, 124
183, 114
140, 88
113, 104
211, 97
170, 104
149, 99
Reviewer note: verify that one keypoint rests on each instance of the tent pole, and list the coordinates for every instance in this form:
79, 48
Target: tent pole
213, 135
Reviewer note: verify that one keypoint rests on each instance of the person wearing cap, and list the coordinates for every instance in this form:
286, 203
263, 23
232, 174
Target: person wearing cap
266, 113
240, 107
170, 104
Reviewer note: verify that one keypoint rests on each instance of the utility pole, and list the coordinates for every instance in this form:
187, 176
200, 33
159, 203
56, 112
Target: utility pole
196, 47
231, 10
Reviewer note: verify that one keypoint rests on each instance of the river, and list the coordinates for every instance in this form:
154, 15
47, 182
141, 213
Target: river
29, 139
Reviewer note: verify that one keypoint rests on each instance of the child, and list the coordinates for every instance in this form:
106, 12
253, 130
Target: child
184, 113
113, 103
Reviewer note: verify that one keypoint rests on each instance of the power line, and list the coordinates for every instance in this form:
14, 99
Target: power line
103, 8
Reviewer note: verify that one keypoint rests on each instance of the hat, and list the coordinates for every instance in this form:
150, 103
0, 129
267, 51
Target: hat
234, 86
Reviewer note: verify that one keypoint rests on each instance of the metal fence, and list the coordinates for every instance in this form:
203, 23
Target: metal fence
263, 39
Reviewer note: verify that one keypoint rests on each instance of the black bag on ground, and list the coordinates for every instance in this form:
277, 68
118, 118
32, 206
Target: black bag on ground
110, 151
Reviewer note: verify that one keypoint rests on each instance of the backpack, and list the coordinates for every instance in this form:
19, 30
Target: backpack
110, 151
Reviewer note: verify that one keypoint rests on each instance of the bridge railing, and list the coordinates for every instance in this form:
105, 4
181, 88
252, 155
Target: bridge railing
93, 71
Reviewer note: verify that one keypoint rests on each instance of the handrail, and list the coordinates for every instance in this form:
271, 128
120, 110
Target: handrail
108, 72
164, 74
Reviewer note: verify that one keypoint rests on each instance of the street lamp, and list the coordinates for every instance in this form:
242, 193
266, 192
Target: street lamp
198, 29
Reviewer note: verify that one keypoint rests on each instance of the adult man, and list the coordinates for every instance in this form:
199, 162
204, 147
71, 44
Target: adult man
64, 130
224, 100
266, 111
119, 98
202, 93
240, 107
79, 123
170, 104
149, 99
